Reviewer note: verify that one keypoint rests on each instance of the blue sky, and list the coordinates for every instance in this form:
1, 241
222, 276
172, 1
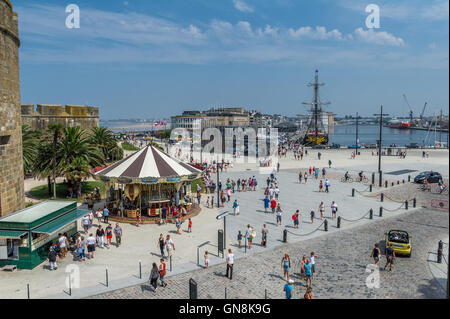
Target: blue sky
154, 59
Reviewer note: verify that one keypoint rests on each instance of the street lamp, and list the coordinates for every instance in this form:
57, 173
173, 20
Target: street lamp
224, 217
379, 142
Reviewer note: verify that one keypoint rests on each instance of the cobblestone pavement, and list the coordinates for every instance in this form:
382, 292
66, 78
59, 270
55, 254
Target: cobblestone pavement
341, 266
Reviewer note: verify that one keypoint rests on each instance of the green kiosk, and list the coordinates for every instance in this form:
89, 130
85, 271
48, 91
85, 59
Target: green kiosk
26, 235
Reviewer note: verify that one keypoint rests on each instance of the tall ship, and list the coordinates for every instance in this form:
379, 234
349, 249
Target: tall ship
315, 133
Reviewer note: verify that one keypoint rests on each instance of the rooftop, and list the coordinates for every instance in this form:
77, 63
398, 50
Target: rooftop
30, 214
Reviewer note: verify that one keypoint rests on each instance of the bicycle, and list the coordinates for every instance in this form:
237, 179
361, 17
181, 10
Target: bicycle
348, 180
363, 180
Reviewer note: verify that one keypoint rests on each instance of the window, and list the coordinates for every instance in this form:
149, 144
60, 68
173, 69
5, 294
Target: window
4, 139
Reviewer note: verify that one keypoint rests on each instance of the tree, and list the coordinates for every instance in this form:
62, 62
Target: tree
55, 131
104, 139
30, 145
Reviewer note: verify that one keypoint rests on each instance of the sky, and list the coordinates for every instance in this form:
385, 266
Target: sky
157, 58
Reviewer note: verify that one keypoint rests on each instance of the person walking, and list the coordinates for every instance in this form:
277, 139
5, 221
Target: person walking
63, 243
109, 232
300, 176
100, 236
85, 222
264, 232
295, 218
99, 215
320, 186
235, 208
162, 272
289, 289
230, 262
321, 210
266, 204
376, 252
329, 163
154, 275
105, 215
312, 216
178, 225
189, 230
90, 245
52, 258
81, 246
334, 209
308, 273
118, 234
279, 211
239, 239
170, 246
313, 263
286, 266
161, 245
308, 293
249, 234
327, 185
390, 255
305, 176
273, 205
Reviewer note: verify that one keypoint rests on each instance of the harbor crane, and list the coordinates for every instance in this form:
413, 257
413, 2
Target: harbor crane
423, 111
410, 109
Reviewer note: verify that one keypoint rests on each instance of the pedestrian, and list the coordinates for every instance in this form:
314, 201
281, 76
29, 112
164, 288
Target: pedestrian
286, 266
324, 172
321, 209
334, 209
105, 215
154, 275
300, 176
279, 211
239, 239
390, 255
169, 246
376, 252
327, 185
273, 205
230, 262
99, 215
178, 225
235, 208
81, 244
313, 263
189, 226
308, 273
266, 203
118, 234
249, 234
264, 233
52, 258
308, 293
295, 218
138, 218
163, 215
302, 266
277, 192
329, 163
91, 218
100, 236
63, 243
320, 186
312, 216
289, 289
161, 244
162, 272
305, 176
85, 222
206, 257
108, 231
90, 245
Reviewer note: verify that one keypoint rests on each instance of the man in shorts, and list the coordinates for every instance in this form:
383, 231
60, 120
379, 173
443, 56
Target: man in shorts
390, 255
90, 245
109, 231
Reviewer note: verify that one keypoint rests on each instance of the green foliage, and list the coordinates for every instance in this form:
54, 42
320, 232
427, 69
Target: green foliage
129, 147
41, 192
30, 144
195, 182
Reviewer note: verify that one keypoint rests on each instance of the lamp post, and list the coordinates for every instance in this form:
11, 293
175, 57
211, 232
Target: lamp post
381, 133
224, 216
357, 139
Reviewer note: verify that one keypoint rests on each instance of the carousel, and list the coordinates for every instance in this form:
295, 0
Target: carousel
141, 184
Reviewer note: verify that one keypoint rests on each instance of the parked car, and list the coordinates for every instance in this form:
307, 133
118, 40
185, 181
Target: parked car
401, 242
371, 146
319, 147
354, 146
413, 145
432, 177
335, 146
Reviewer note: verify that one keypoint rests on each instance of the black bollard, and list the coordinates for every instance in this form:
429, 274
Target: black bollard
338, 225
386, 184
285, 236
406, 204
325, 225
414, 202
439, 253
28, 291
353, 192
380, 179
392, 184
192, 289
370, 188
70, 285
382, 197
170, 259
140, 270
403, 181
381, 211
409, 178
398, 182
371, 213
373, 178
225, 293
107, 281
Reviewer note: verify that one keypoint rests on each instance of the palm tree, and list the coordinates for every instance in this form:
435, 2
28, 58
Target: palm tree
30, 144
43, 164
55, 129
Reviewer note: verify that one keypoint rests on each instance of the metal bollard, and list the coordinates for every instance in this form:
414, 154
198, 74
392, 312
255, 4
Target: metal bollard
70, 286
140, 270
373, 178
28, 291
325, 225
285, 236
192, 289
406, 204
245, 244
386, 184
265, 293
439, 252
403, 181
353, 192
398, 182
382, 197
409, 178
170, 259
225, 293
381, 211
338, 225
371, 213
380, 179
392, 184
107, 283
370, 188
414, 202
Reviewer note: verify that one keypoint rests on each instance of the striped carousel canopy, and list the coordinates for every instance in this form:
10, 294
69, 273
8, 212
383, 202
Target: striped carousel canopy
148, 163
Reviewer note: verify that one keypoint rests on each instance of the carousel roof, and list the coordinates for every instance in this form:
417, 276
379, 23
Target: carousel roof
148, 162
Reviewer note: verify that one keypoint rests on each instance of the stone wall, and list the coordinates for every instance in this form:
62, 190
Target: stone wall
86, 117
11, 165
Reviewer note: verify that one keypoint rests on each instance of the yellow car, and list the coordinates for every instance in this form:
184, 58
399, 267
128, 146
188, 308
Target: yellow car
401, 242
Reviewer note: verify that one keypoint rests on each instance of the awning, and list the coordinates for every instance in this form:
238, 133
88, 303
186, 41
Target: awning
15, 234
60, 222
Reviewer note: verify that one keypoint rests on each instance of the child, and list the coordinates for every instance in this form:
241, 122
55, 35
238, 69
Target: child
207, 202
206, 260
313, 263
190, 226
312, 216
239, 238
138, 219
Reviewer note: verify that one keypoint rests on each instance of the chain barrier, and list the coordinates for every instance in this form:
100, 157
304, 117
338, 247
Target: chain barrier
306, 233
398, 201
393, 210
365, 190
355, 220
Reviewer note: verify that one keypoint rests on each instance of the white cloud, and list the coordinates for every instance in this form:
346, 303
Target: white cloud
242, 6
380, 37
318, 33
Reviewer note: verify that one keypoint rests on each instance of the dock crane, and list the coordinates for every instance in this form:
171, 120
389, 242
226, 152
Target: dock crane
423, 111
410, 109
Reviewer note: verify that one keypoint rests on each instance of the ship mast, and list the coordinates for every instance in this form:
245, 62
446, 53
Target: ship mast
317, 109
